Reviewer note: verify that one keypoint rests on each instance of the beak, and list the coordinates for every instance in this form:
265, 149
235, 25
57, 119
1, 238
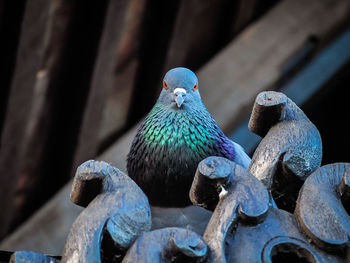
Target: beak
180, 95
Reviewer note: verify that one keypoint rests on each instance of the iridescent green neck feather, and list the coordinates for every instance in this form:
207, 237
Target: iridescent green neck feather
168, 147
176, 135
178, 129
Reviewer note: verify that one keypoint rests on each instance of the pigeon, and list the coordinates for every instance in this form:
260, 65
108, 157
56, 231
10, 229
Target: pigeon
174, 137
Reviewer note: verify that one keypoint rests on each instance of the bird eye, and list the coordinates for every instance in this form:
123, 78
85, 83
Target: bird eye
165, 85
195, 87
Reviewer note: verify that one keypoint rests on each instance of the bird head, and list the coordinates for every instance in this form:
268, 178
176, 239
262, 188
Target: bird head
180, 89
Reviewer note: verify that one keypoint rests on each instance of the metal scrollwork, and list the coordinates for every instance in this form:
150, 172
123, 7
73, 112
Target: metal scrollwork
321, 210
291, 148
167, 245
245, 225
117, 210
30, 257
239, 195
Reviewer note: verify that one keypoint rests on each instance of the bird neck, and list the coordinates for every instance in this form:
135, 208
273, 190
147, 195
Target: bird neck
192, 128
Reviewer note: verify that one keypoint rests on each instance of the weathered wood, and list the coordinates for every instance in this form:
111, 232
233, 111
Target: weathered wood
304, 89
156, 30
26, 127
113, 77
252, 63
49, 52
102, 82
194, 33
11, 15
245, 12
114, 117
203, 27
52, 222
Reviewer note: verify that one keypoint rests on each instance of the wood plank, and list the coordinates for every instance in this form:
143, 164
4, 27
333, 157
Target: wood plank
47, 230
115, 111
251, 63
26, 123
114, 118
11, 15
203, 27
107, 83
245, 12
304, 88
196, 31
156, 31
232, 79
47, 128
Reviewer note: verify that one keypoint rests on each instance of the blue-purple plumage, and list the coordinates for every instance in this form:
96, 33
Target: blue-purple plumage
173, 139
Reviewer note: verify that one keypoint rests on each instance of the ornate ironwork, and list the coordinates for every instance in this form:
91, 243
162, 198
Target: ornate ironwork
246, 224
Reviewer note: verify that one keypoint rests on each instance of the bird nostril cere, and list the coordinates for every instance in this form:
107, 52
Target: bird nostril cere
180, 90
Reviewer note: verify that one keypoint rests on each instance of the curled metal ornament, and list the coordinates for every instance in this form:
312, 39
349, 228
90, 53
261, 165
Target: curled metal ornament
239, 196
167, 245
30, 257
244, 224
276, 239
117, 213
244, 228
322, 207
291, 148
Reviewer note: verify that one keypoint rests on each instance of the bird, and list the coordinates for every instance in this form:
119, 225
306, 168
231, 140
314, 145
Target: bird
173, 138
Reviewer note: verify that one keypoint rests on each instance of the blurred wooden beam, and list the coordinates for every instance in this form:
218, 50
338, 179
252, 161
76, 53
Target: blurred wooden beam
47, 230
245, 12
156, 30
195, 26
30, 102
191, 32
233, 78
200, 28
115, 73
45, 103
305, 86
228, 84
203, 27
11, 15
111, 83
